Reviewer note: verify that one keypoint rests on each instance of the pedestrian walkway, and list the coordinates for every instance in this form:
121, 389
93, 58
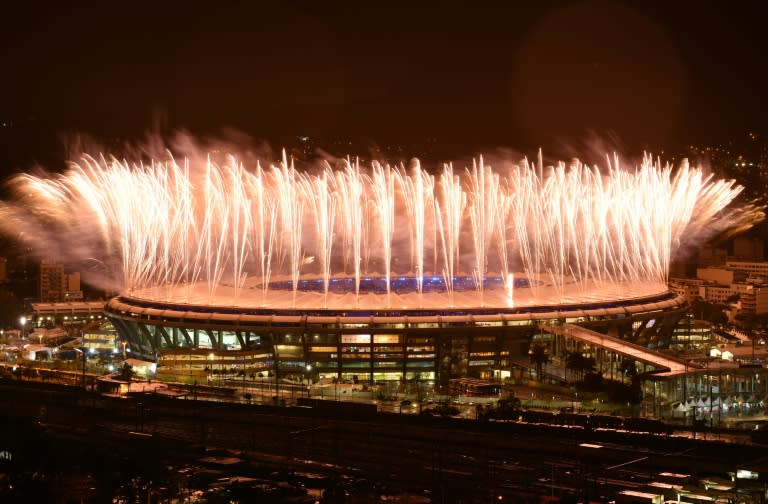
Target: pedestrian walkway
664, 364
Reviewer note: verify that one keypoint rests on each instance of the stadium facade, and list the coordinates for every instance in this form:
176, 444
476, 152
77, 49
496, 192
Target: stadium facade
381, 345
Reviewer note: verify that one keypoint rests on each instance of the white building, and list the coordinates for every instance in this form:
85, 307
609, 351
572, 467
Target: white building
747, 280
688, 288
754, 298
722, 276
715, 293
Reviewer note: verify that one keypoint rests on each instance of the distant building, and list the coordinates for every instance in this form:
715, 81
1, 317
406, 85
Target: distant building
747, 248
753, 298
687, 288
756, 270
67, 315
51, 282
742, 281
722, 276
56, 285
679, 269
712, 256
714, 293
690, 333
100, 340
76, 295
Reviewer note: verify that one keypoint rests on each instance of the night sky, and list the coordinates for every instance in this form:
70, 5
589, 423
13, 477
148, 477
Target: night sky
651, 76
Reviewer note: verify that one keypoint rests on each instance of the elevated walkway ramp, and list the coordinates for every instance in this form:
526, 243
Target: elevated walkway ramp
664, 364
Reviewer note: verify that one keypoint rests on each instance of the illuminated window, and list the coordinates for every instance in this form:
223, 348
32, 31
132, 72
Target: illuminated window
355, 338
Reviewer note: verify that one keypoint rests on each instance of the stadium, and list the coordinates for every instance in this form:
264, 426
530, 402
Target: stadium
377, 345
381, 273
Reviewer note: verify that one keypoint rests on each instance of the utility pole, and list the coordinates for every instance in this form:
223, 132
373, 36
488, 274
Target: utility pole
277, 371
85, 356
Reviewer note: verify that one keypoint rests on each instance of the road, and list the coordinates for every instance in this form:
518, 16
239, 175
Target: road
455, 460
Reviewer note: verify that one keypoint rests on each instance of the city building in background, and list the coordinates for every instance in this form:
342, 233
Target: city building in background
56, 285
691, 333
3, 270
743, 284
100, 338
71, 316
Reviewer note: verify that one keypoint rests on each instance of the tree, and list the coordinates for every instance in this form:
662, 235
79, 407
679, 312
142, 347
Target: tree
539, 355
710, 312
749, 322
510, 406
622, 392
593, 381
126, 372
588, 365
580, 364
506, 409
628, 369
718, 317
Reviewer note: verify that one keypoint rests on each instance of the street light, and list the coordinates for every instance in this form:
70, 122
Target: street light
309, 378
23, 321
82, 350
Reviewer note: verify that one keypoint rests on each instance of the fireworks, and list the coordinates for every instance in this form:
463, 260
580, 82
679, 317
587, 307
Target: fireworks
255, 231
